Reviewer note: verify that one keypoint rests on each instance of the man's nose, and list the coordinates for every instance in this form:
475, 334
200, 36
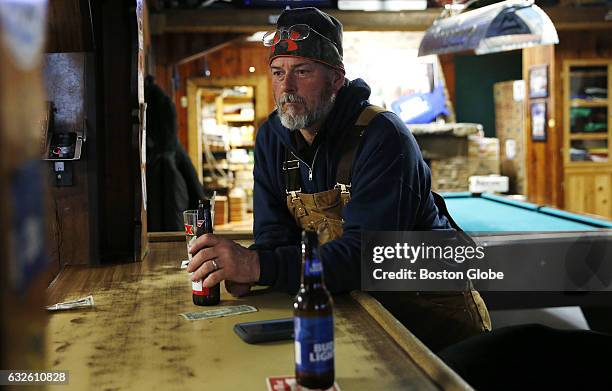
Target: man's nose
289, 84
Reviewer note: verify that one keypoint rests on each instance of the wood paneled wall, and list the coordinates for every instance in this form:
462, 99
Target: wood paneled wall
69, 26
229, 61
584, 44
545, 159
447, 64
73, 233
178, 48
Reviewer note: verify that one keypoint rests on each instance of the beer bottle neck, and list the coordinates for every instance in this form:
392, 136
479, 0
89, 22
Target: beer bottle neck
312, 272
205, 224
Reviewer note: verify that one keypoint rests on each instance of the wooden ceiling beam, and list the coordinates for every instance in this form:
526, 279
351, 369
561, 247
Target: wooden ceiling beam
243, 21
262, 20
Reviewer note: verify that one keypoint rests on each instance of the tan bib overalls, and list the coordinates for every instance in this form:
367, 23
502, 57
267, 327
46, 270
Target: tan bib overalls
437, 318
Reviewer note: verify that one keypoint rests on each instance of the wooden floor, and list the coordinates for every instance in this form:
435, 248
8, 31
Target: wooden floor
134, 338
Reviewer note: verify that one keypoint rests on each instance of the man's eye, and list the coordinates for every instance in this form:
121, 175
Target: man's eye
277, 73
303, 72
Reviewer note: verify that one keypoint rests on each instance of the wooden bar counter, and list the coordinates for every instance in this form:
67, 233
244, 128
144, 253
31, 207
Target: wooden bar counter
134, 338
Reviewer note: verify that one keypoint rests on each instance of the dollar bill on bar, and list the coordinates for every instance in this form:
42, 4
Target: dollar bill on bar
84, 302
219, 312
184, 263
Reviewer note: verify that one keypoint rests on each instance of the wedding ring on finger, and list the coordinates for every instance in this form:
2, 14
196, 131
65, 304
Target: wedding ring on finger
214, 263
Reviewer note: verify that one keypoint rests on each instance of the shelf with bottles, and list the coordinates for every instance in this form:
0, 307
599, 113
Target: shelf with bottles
235, 105
238, 93
227, 123
234, 160
218, 183
214, 136
238, 118
241, 159
218, 136
224, 138
218, 165
238, 187
227, 166
241, 136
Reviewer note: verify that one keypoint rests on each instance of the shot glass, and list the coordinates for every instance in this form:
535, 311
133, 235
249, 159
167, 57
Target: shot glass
190, 219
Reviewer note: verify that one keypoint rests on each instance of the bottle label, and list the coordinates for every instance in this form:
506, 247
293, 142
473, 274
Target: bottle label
314, 344
313, 268
198, 289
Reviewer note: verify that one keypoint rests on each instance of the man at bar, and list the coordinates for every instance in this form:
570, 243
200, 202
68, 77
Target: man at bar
326, 160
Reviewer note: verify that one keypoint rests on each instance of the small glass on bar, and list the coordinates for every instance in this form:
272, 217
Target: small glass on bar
190, 219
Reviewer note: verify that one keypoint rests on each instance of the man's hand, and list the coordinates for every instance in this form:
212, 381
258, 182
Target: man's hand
237, 289
234, 262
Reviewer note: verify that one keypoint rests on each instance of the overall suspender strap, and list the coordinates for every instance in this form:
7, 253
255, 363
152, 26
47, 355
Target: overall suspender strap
442, 209
441, 205
351, 144
291, 167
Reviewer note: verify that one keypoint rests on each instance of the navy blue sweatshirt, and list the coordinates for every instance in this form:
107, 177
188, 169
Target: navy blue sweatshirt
391, 191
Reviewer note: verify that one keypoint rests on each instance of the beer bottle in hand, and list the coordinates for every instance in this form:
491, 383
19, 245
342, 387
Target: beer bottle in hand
313, 322
201, 295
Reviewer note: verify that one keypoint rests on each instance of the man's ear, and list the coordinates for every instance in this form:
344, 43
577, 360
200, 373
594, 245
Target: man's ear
337, 80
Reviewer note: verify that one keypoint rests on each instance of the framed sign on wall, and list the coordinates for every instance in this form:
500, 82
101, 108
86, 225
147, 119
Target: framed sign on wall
538, 81
538, 121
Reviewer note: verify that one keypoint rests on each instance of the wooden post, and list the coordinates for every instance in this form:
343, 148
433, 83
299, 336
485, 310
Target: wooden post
24, 263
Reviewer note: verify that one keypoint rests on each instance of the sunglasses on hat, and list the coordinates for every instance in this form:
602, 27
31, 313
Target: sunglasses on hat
297, 32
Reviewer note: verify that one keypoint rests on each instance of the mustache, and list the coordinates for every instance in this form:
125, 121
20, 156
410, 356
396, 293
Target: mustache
291, 98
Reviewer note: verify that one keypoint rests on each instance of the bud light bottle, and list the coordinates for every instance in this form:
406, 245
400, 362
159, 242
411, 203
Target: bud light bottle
201, 295
313, 322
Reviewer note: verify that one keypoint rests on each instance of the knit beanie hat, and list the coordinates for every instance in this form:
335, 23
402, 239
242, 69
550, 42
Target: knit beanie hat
324, 44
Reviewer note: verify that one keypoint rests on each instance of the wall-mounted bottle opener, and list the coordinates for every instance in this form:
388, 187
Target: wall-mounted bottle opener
66, 146
62, 148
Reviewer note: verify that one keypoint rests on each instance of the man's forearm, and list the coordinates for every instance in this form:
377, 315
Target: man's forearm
280, 268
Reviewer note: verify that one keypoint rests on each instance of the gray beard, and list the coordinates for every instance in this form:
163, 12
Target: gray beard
310, 117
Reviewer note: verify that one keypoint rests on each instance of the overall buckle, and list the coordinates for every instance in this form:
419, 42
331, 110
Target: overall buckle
344, 189
291, 165
298, 204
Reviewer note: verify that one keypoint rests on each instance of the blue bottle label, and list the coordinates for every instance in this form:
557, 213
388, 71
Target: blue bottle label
313, 268
314, 344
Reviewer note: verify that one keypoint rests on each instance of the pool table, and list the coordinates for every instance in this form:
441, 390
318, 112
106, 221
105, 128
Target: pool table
492, 213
